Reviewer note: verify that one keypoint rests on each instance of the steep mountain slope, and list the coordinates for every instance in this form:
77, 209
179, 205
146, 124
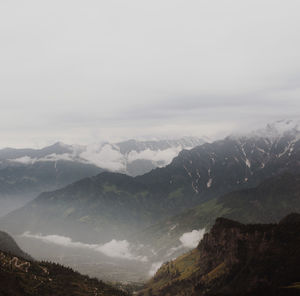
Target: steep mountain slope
8, 245
20, 183
18, 178
21, 277
114, 206
267, 203
236, 259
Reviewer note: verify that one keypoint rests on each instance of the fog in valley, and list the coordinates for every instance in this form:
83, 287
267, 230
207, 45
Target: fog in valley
113, 261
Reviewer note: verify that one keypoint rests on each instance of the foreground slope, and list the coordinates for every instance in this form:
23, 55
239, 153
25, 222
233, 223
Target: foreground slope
20, 277
236, 259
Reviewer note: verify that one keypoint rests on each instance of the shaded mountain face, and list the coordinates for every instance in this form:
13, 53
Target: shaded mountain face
267, 203
113, 205
23, 277
20, 183
8, 245
236, 259
23, 179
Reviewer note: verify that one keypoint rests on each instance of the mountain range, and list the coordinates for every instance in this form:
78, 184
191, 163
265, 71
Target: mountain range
131, 157
148, 219
112, 205
25, 173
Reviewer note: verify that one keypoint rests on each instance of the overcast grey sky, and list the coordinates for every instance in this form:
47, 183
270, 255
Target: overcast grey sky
89, 70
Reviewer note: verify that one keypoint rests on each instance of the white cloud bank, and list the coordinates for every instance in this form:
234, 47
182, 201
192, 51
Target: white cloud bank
114, 248
154, 268
192, 239
24, 160
107, 157
189, 240
51, 157
164, 156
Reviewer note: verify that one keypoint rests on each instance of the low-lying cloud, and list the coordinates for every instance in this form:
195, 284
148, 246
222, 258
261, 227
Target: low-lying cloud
51, 157
154, 268
162, 156
189, 240
114, 248
106, 157
109, 156
192, 239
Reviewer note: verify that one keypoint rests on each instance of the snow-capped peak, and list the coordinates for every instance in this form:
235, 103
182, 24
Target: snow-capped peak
274, 130
281, 127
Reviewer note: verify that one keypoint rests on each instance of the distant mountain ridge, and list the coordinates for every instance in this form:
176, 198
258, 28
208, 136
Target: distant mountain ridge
25, 173
131, 157
20, 183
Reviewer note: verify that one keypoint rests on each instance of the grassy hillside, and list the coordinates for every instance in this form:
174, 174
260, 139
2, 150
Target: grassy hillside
20, 277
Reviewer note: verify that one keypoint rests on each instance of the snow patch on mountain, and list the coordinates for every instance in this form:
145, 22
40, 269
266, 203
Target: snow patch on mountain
248, 164
209, 182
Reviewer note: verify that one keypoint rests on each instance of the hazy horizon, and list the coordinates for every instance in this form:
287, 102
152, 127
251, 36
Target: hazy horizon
78, 72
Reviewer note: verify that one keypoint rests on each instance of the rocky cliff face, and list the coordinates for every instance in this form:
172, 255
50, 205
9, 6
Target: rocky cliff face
236, 259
